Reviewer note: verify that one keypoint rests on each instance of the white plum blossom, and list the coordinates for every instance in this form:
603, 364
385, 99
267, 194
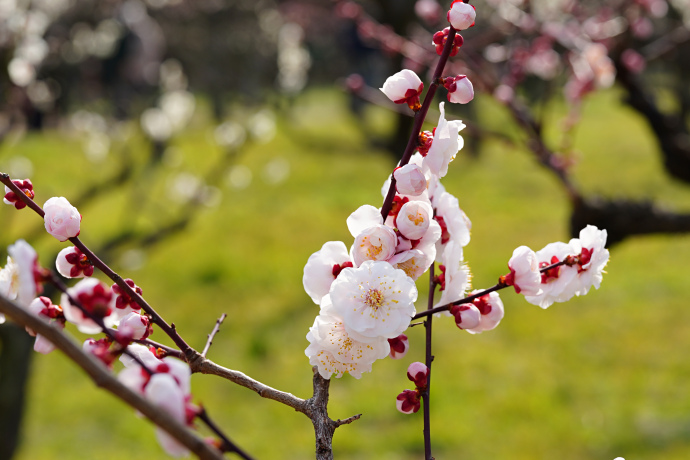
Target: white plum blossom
414, 219
446, 144
62, 220
491, 308
461, 15
399, 346
456, 275
593, 258
133, 326
9, 279
333, 351
467, 315
96, 298
403, 87
460, 89
319, 272
44, 308
413, 262
364, 217
410, 180
72, 263
557, 284
455, 225
374, 243
164, 391
374, 300
22, 274
524, 272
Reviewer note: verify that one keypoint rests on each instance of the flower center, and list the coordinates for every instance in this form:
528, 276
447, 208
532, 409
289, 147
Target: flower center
373, 299
416, 218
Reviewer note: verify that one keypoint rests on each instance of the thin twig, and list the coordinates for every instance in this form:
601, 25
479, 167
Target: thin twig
213, 333
227, 446
429, 357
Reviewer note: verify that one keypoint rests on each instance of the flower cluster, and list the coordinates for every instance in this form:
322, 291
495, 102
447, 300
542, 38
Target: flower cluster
408, 402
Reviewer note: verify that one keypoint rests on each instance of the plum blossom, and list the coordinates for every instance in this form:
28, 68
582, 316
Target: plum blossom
72, 263
446, 144
399, 346
163, 391
460, 89
524, 273
133, 326
491, 309
414, 219
25, 274
374, 243
334, 351
11, 198
557, 283
374, 300
441, 37
461, 15
404, 87
593, 257
62, 220
467, 315
410, 180
419, 374
123, 302
408, 402
455, 275
102, 350
413, 262
44, 308
320, 270
96, 298
453, 221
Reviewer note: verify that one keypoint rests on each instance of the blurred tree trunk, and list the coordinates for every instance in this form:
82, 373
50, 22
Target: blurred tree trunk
16, 348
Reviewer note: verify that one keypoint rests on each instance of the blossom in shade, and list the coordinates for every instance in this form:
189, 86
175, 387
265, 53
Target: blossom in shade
72, 263
399, 346
102, 350
26, 275
11, 198
446, 144
410, 180
592, 258
404, 87
524, 273
96, 298
460, 89
323, 267
334, 351
44, 308
414, 218
467, 315
461, 15
558, 284
408, 402
374, 300
62, 220
491, 309
419, 374
441, 37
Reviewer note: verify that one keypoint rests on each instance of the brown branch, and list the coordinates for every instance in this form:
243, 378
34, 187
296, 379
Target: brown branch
104, 379
213, 333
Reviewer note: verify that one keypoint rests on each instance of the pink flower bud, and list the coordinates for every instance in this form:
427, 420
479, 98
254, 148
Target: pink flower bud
62, 220
133, 327
407, 402
410, 180
123, 300
72, 263
419, 374
399, 346
11, 198
524, 273
404, 87
467, 315
460, 89
461, 15
441, 37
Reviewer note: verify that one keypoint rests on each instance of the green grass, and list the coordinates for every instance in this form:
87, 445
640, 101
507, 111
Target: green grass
598, 377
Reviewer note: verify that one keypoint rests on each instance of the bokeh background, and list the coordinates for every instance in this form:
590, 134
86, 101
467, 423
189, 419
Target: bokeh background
212, 146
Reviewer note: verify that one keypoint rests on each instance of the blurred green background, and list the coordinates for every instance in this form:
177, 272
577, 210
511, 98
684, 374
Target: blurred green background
598, 377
